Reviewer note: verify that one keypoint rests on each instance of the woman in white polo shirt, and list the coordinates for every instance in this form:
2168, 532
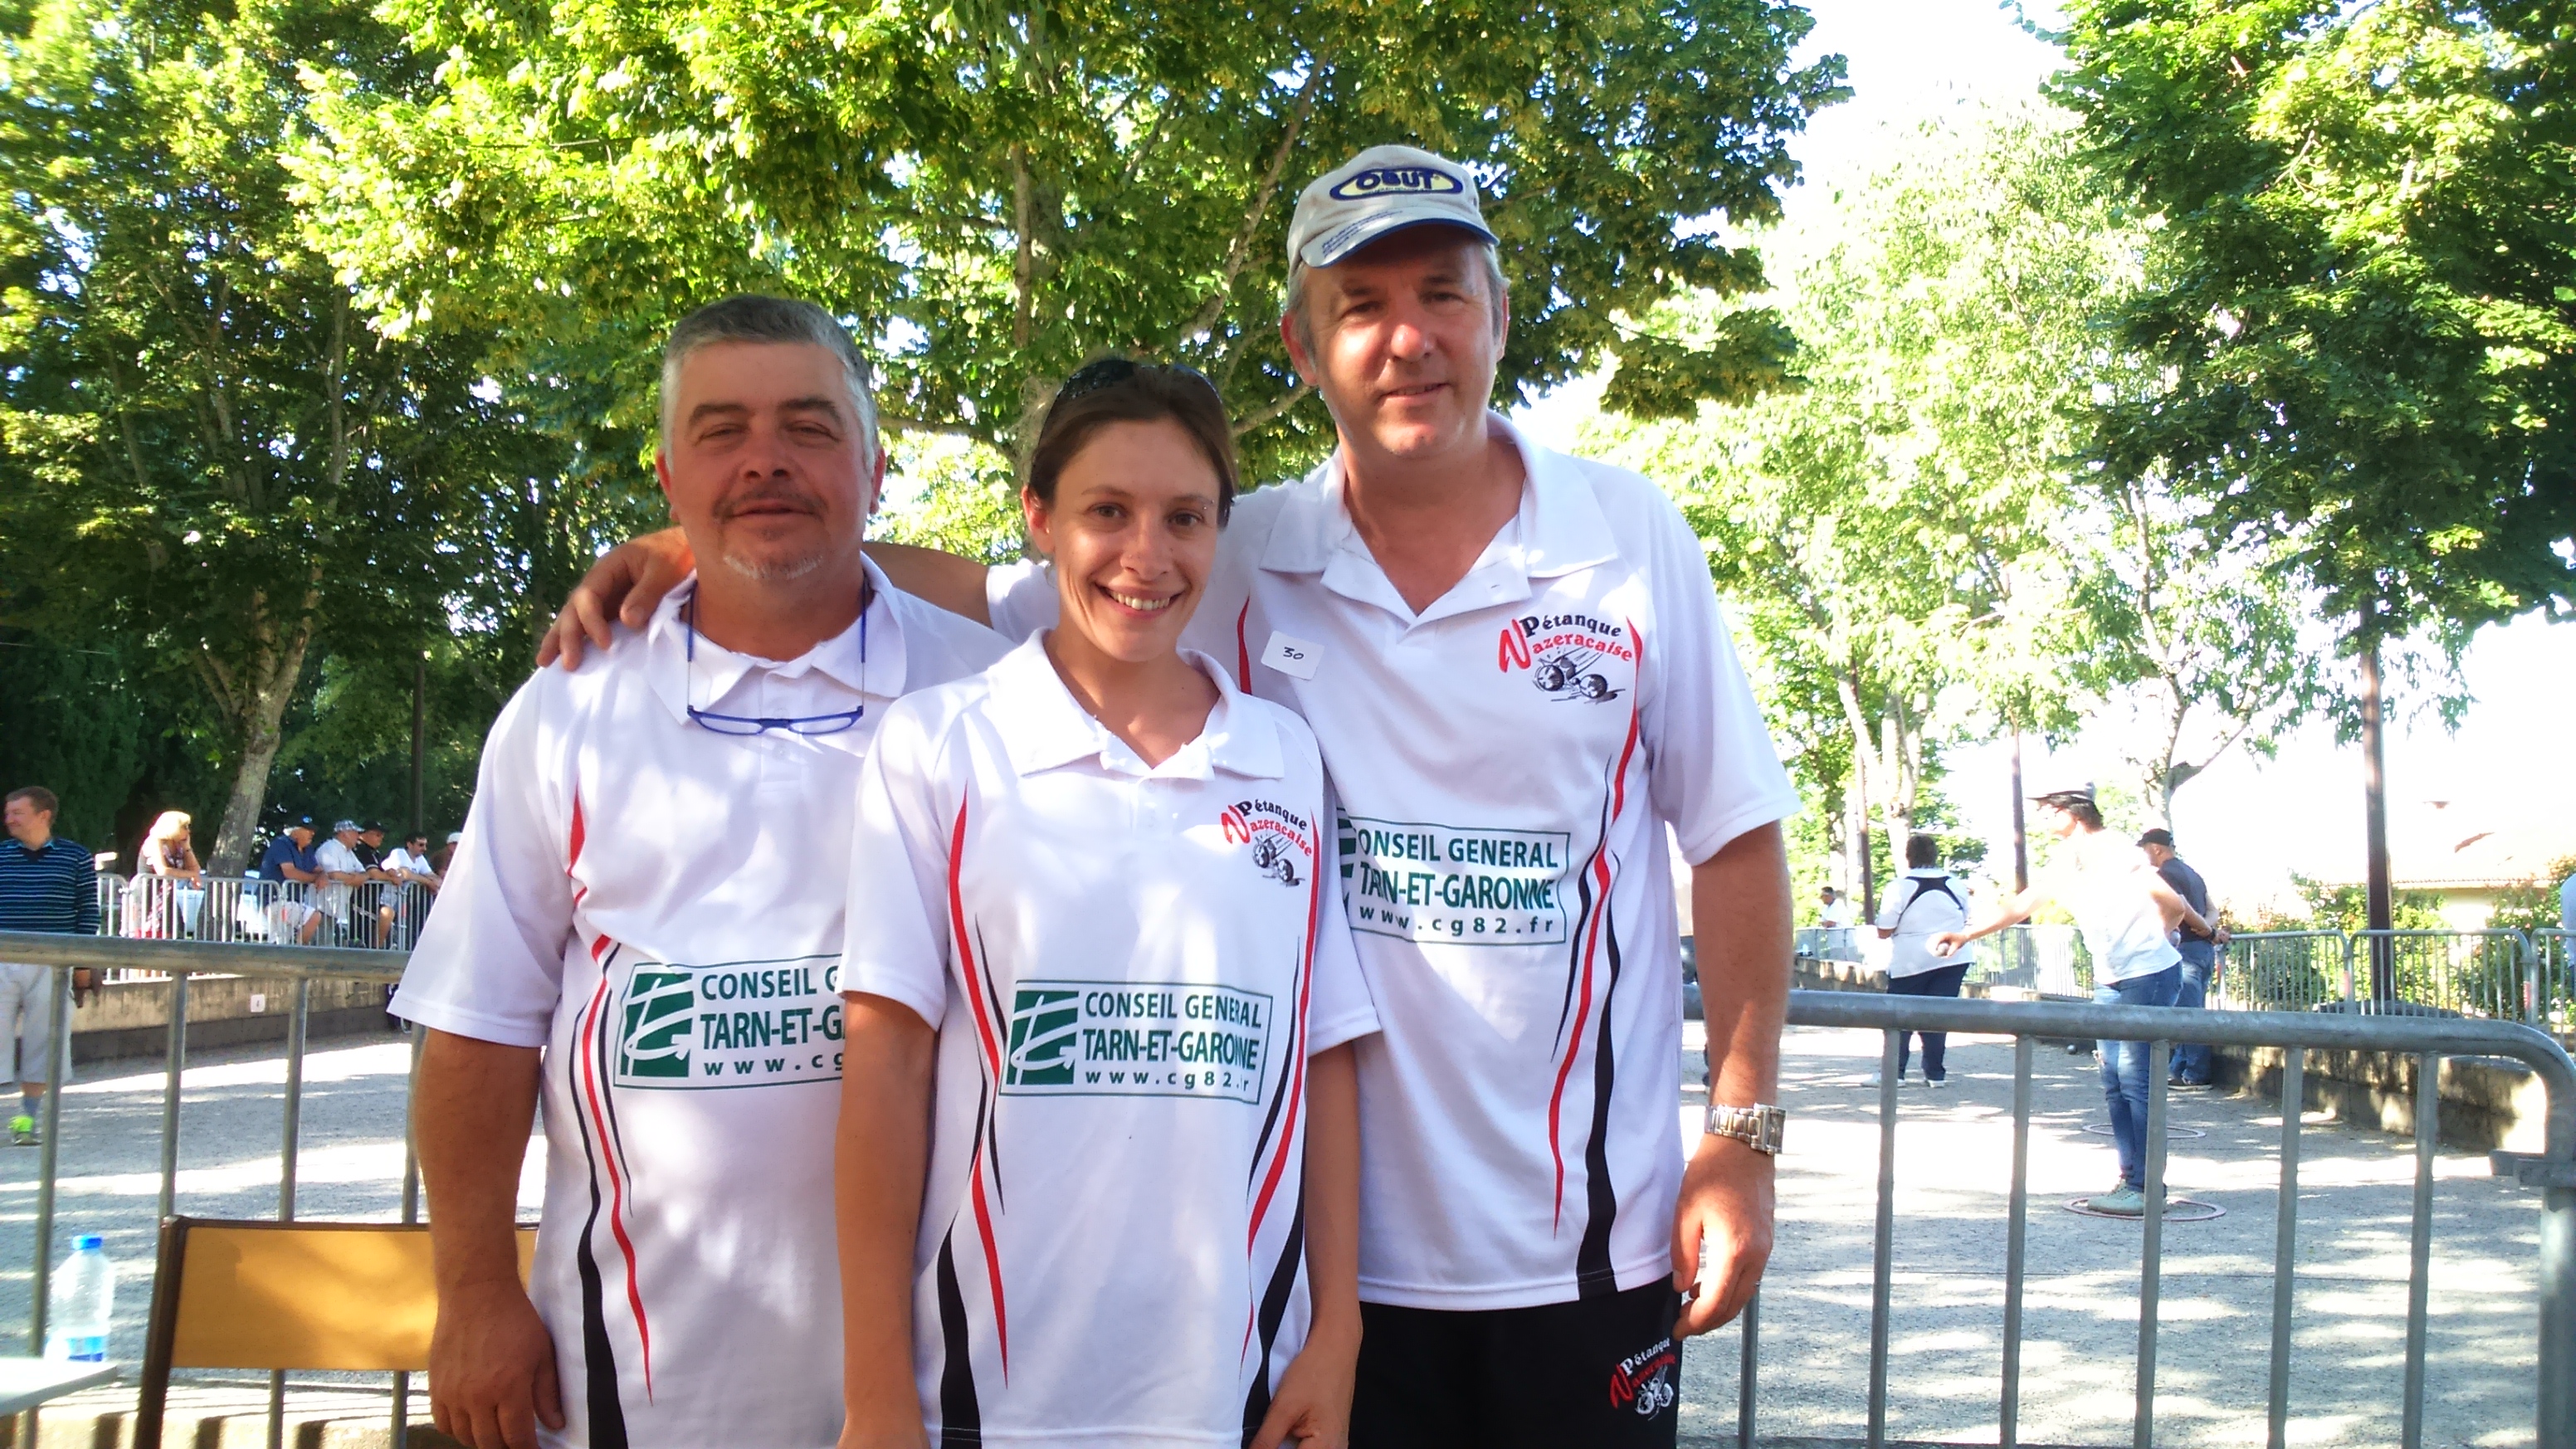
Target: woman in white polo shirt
1099, 1132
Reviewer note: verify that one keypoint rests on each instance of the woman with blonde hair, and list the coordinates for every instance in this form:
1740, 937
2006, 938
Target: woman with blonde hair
169, 883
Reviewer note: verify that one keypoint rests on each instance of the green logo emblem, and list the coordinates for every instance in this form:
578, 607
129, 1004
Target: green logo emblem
660, 1008
1044, 1026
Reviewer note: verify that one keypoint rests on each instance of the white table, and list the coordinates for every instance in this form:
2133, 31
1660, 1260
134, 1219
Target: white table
27, 1383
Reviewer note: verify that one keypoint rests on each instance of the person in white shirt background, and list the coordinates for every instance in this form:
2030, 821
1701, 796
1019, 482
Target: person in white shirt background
1515, 666
2127, 914
643, 927
336, 859
1104, 833
1924, 904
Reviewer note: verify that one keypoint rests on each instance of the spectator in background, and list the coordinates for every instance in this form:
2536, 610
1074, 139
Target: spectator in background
336, 861
412, 881
47, 883
1925, 904
1833, 912
286, 872
445, 854
169, 883
2199, 950
370, 847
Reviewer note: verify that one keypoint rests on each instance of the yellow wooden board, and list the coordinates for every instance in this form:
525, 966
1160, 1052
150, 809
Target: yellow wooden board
310, 1296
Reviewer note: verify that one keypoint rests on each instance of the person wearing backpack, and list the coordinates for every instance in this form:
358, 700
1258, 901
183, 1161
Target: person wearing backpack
1925, 904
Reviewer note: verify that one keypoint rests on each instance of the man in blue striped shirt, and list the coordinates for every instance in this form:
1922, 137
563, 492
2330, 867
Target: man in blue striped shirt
47, 883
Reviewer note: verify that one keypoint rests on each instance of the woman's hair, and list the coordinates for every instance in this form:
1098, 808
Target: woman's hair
1922, 852
1116, 390
167, 826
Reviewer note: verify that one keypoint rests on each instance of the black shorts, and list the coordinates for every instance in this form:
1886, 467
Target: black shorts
1603, 1372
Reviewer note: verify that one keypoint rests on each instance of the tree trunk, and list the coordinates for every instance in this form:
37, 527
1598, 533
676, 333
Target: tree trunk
2383, 966
2021, 831
270, 688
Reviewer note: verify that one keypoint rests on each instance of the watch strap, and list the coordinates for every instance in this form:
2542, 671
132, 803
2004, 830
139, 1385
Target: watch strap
1758, 1127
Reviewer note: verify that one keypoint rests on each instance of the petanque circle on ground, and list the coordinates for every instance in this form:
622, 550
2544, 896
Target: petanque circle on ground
2201, 1212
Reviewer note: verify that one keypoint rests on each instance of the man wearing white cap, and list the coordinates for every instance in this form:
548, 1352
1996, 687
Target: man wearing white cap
1519, 676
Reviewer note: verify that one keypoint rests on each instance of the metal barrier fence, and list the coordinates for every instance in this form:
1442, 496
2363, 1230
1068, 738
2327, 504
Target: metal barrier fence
2496, 974
376, 915
2427, 1039
176, 962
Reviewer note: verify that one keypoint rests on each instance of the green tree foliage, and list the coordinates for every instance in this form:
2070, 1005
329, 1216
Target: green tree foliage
992, 191
1894, 529
210, 458
2361, 293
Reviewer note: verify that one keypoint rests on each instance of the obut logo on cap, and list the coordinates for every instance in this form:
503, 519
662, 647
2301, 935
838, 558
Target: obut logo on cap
1387, 180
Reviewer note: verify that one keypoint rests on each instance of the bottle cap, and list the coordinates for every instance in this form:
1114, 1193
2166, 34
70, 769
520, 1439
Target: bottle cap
87, 1241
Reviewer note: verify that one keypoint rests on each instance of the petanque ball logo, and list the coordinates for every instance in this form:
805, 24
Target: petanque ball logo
1568, 656
661, 1007
1045, 1029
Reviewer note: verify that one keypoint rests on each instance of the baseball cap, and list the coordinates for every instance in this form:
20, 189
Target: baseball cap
2157, 836
347, 825
300, 822
2069, 794
1381, 191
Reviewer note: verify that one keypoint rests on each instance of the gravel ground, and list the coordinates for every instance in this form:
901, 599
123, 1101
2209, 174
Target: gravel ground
1954, 1164
1953, 1168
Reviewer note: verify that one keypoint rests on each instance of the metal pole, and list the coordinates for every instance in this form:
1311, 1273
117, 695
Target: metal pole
1744, 1371
2151, 1265
178, 1049
2016, 1242
58, 1018
294, 1125
2419, 1273
1883, 1253
410, 1214
2285, 1240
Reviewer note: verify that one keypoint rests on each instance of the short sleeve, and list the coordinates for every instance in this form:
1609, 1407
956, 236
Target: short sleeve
1020, 598
490, 960
1711, 770
896, 944
1891, 910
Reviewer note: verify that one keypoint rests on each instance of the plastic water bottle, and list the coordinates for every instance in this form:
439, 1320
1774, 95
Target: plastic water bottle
83, 1303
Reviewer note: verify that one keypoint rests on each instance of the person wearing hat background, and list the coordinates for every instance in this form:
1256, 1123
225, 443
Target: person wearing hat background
2199, 950
1525, 647
336, 861
287, 870
2127, 915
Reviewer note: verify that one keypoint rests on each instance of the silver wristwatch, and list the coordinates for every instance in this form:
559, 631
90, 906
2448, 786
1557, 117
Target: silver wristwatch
1756, 1127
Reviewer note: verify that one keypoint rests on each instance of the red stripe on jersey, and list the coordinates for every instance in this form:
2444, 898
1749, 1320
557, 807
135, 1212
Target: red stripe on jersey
572, 856
1242, 649
966, 947
1297, 1069
588, 1030
973, 974
992, 1265
1592, 939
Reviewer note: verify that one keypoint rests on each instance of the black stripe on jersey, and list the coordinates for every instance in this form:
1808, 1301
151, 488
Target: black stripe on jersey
960, 1420
1593, 1275
1278, 1097
598, 1357
1274, 1310
988, 1125
616, 1144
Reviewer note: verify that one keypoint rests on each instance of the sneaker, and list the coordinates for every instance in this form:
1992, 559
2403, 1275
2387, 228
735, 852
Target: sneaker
2123, 1201
22, 1131
1874, 1078
1936, 1083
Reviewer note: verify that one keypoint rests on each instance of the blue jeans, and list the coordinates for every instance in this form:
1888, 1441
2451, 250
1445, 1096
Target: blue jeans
2191, 1059
1944, 981
2124, 1068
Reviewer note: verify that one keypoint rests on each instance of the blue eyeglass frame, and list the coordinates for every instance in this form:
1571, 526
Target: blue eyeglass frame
743, 726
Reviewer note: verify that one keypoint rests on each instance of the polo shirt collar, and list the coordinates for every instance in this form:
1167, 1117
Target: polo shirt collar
681, 682
1559, 529
1043, 727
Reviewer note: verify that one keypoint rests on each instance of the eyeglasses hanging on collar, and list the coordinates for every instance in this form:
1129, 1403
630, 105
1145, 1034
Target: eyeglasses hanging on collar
743, 724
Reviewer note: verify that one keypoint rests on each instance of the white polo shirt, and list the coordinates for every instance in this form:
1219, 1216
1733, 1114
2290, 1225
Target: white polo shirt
1128, 966
1923, 904
332, 897
1504, 763
659, 906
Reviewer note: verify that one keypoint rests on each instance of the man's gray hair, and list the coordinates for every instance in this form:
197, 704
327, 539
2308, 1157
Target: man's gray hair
1498, 295
752, 318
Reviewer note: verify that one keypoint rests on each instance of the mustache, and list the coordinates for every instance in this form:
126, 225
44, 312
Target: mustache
767, 495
